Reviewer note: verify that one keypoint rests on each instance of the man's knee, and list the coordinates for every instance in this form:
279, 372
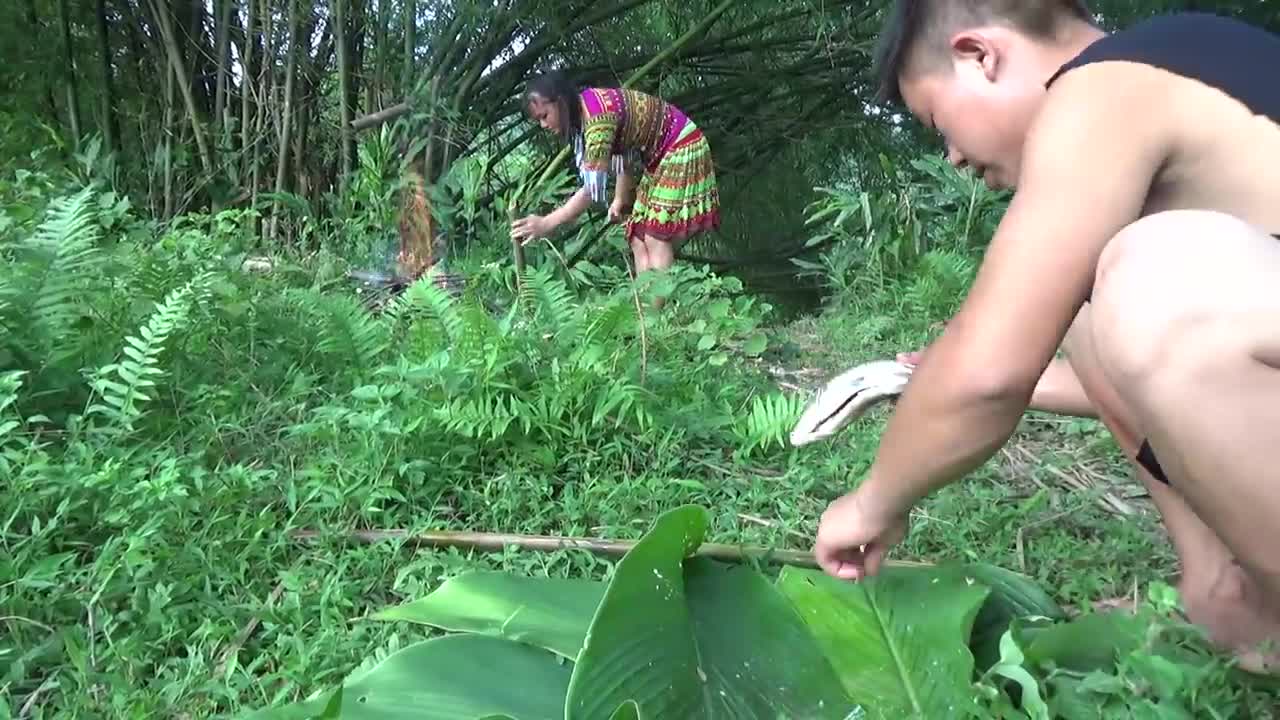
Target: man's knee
1146, 291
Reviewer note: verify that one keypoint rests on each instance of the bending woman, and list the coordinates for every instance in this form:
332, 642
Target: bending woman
633, 136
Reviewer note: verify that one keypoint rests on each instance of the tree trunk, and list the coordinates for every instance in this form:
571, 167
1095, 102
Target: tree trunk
410, 42
222, 50
380, 55
169, 130
111, 128
286, 119
73, 95
175, 60
51, 106
344, 83
246, 88
266, 93
355, 51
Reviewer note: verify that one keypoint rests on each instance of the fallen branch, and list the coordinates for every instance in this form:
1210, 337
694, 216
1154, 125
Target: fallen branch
364, 122
492, 542
245, 633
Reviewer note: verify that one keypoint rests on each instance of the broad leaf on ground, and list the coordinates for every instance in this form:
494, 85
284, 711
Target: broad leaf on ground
1089, 642
1013, 596
551, 613
898, 641
456, 677
698, 640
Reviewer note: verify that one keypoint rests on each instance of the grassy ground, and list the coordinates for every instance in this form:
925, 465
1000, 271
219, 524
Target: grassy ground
1059, 503
150, 571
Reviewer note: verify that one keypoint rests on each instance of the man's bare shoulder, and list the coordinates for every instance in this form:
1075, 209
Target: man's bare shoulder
1213, 151
1124, 107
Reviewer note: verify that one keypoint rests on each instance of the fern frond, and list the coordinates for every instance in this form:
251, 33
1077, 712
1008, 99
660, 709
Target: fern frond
601, 340
57, 256
427, 301
769, 421
555, 301
125, 385
350, 330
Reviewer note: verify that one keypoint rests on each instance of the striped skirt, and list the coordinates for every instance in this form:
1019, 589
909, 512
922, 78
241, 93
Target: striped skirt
677, 196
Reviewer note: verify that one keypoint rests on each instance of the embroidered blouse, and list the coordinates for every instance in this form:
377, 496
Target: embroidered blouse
622, 131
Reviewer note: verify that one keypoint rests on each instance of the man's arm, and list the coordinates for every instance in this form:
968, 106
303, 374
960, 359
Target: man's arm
1087, 166
1059, 392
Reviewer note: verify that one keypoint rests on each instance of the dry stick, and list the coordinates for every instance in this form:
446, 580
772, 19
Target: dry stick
644, 340
25, 710
1107, 500
367, 121
1019, 541
551, 543
772, 524
243, 636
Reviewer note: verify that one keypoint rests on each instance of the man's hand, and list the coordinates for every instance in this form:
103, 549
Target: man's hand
853, 538
911, 358
531, 228
619, 210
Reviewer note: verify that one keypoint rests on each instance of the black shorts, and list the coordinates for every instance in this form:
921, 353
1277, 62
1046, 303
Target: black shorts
1147, 459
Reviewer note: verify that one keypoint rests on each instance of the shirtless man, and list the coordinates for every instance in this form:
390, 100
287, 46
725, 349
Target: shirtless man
1147, 172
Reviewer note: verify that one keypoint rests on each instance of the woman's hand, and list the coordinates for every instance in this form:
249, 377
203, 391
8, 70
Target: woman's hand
619, 210
531, 228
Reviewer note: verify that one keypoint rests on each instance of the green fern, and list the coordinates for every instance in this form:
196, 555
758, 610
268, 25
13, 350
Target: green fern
939, 285
555, 302
345, 329
124, 386
43, 289
10, 383
151, 276
769, 421
431, 312
601, 338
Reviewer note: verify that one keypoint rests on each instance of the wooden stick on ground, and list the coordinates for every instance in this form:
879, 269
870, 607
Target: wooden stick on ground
550, 543
245, 632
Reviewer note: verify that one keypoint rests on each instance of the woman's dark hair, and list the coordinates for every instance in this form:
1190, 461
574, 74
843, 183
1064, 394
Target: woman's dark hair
556, 87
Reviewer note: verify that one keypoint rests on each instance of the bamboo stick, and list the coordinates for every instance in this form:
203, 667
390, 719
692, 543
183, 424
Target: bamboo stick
491, 542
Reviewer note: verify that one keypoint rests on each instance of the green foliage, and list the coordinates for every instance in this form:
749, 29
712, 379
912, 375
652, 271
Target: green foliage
125, 385
175, 418
671, 635
927, 221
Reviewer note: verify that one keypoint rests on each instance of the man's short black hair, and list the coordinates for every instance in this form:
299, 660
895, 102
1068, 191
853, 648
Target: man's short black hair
914, 34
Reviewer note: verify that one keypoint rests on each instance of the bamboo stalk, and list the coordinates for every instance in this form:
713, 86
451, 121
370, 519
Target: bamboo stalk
344, 81
517, 253
160, 11
365, 122
493, 542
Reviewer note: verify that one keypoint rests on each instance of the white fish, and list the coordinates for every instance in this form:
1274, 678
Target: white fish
848, 396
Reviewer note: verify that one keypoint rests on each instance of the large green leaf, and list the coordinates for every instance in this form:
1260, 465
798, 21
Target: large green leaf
898, 641
1013, 596
456, 677
698, 640
742, 626
551, 613
1093, 641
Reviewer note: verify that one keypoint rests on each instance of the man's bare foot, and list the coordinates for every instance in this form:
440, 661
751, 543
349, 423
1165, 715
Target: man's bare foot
1236, 617
1231, 614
